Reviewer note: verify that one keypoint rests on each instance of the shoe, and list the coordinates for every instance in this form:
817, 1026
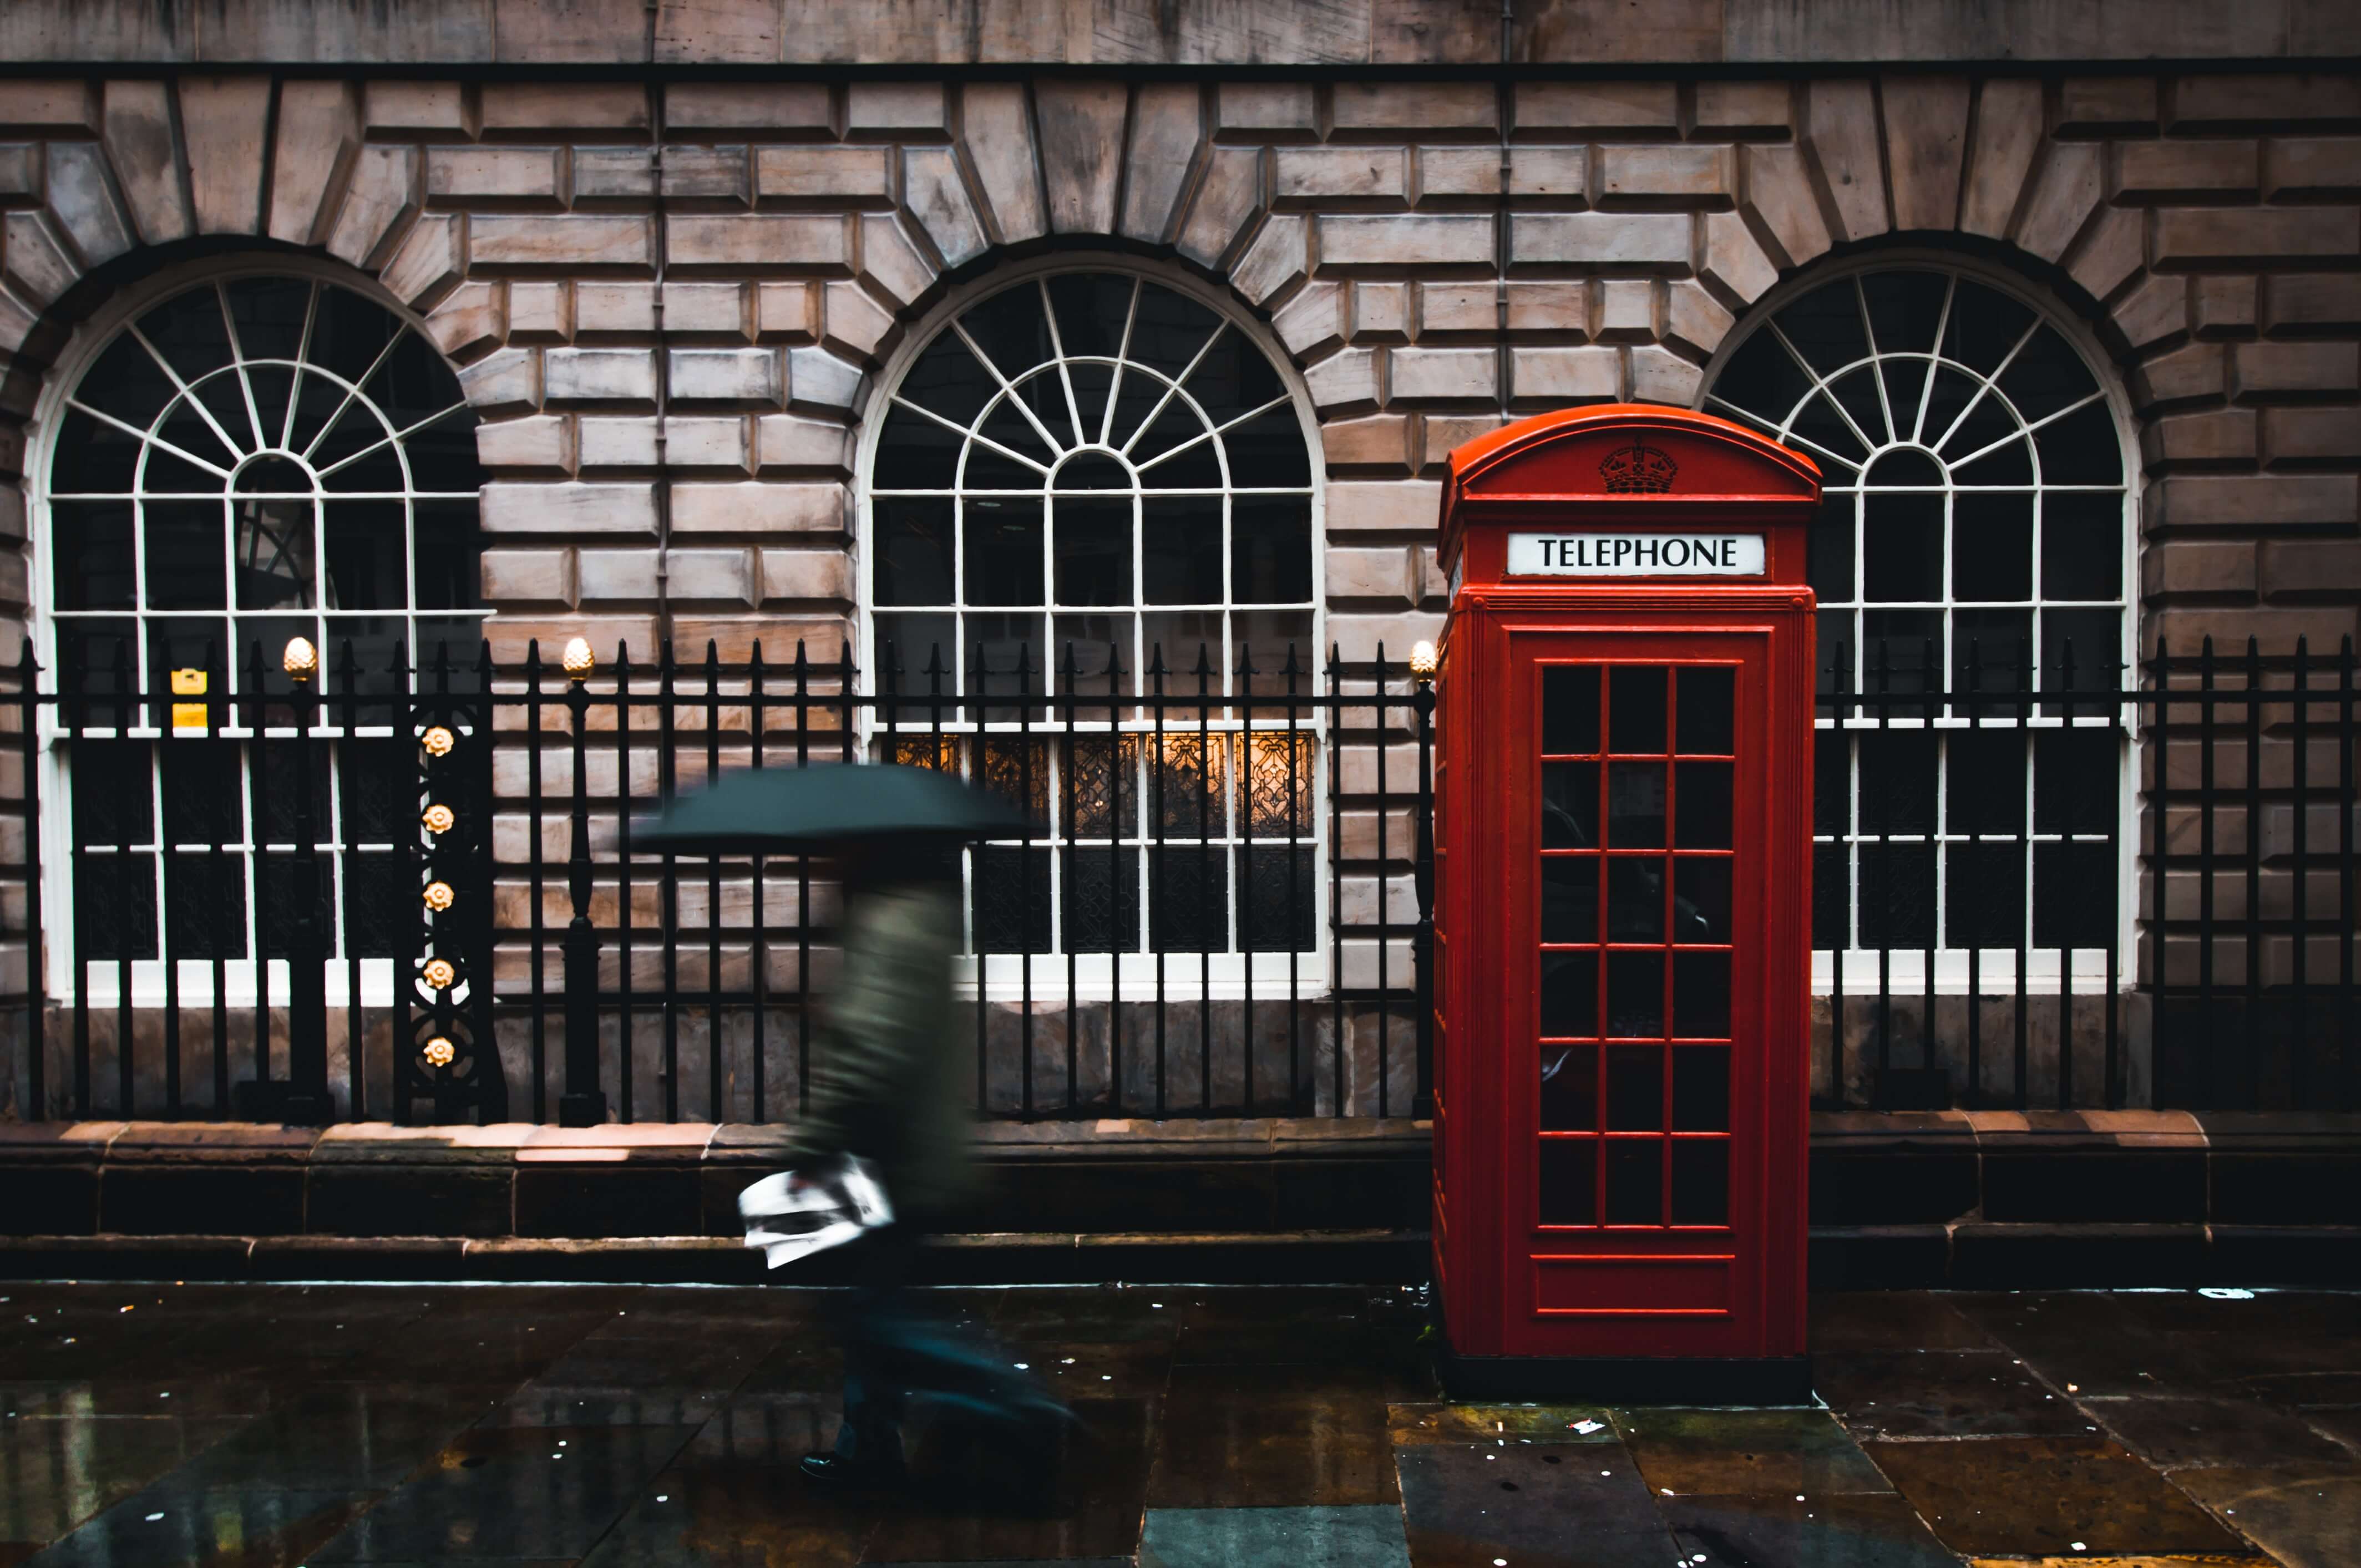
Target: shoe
838, 1474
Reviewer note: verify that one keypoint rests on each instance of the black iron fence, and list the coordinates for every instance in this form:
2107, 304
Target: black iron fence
382, 889
1217, 910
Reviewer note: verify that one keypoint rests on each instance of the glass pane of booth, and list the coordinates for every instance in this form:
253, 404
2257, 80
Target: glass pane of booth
1639, 773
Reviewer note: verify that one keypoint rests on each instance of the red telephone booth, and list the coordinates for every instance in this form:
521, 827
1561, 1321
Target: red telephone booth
1623, 913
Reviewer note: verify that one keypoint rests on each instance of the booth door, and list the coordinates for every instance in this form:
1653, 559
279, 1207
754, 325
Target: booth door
1635, 1094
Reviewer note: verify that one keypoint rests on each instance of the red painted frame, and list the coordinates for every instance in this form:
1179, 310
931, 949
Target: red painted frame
1617, 1292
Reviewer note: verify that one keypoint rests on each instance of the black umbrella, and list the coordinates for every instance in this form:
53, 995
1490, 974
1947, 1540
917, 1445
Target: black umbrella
806, 808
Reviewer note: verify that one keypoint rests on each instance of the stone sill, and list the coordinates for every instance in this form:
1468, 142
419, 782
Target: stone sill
248, 1144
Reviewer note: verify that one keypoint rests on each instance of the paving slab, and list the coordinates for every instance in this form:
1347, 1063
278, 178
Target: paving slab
1369, 1536
1816, 1530
2305, 1517
506, 1491
1272, 1436
1581, 1506
173, 1522
2171, 1433
1778, 1453
2050, 1497
1942, 1393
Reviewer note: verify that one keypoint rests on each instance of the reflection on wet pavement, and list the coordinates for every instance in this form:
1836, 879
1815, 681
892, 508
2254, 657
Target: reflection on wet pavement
622, 1427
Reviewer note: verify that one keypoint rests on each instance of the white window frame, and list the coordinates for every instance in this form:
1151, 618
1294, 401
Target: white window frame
2047, 971
1143, 974
60, 394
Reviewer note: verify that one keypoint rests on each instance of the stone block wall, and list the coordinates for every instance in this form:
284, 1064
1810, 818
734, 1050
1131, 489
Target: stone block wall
1426, 255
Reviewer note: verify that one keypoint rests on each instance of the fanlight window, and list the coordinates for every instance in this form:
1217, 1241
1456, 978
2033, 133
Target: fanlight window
256, 458
1091, 510
1970, 556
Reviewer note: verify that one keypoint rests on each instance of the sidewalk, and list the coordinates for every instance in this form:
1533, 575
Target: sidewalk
243, 1426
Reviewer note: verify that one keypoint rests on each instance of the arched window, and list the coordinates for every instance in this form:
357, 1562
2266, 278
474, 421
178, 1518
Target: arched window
1091, 491
255, 458
1971, 558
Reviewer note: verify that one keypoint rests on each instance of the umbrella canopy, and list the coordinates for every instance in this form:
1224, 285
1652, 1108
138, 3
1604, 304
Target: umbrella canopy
806, 808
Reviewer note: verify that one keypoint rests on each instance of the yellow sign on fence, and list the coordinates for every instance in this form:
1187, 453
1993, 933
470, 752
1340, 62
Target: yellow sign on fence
188, 716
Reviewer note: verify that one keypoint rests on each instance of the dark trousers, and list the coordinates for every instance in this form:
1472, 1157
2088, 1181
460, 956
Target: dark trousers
894, 1347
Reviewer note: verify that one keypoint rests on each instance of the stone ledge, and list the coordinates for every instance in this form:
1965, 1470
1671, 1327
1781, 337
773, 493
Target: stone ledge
1148, 1182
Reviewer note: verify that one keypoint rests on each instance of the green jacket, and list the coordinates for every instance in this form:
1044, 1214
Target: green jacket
885, 1068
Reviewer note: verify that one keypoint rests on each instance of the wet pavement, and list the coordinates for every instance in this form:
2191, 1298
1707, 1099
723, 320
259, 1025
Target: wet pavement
528, 1427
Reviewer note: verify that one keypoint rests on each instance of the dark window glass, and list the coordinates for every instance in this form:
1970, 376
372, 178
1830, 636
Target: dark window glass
2074, 780
1701, 1089
1271, 551
1188, 900
1570, 709
1100, 900
1012, 899
1902, 537
1701, 899
1569, 1181
1094, 550
1569, 1100
1182, 549
1635, 707
1825, 326
1898, 781
1701, 996
1992, 545
1635, 805
1897, 895
1569, 805
1702, 810
91, 544
1700, 1181
913, 540
1984, 326
1635, 899
1706, 710
2082, 544
1831, 895
1003, 552
1987, 780
1635, 1181
1635, 994
1570, 994
1984, 894
2073, 895
1570, 898
1635, 1089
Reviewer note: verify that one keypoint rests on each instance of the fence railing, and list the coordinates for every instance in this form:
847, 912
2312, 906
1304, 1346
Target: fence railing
1216, 908
1983, 937
409, 891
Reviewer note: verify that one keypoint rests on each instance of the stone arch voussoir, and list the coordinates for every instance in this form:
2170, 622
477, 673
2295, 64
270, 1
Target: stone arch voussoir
1944, 157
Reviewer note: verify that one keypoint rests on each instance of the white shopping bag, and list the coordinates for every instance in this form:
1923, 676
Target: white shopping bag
798, 1213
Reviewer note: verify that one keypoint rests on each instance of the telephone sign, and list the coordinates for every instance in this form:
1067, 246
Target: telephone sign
1623, 872
1598, 554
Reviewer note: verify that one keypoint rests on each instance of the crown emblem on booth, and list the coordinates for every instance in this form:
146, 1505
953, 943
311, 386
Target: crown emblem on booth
1638, 470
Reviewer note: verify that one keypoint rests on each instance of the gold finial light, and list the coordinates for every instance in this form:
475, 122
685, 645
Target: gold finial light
440, 975
438, 741
578, 662
439, 897
440, 1052
440, 818
301, 660
1422, 661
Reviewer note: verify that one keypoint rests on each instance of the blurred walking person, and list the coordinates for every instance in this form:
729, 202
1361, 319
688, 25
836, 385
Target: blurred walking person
888, 1087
